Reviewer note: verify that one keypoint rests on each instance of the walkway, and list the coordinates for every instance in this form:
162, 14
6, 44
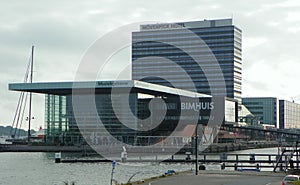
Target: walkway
220, 178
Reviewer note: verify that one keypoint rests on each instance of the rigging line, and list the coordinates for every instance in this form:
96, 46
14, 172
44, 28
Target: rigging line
20, 99
23, 113
16, 113
19, 110
19, 113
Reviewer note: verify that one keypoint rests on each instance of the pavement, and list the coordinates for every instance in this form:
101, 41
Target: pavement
219, 178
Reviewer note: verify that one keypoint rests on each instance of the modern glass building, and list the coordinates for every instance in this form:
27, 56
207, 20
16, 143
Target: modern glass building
155, 45
264, 109
289, 115
123, 109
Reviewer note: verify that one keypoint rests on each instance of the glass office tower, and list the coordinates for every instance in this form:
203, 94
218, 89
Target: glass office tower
265, 109
224, 40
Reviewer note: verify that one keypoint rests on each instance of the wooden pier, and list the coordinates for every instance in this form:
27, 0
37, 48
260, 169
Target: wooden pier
235, 161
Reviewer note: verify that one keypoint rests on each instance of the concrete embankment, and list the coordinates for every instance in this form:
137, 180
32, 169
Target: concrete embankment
226, 147
32, 148
213, 148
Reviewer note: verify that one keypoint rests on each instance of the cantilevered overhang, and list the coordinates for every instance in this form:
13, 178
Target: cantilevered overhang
101, 87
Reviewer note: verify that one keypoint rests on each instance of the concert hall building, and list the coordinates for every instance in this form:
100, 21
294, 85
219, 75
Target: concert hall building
123, 108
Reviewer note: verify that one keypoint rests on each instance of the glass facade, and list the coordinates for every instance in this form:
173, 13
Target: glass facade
125, 109
60, 124
264, 109
289, 116
223, 39
62, 127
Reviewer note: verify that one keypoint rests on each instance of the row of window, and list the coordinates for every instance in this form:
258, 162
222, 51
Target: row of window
183, 37
199, 56
222, 60
183, 46
180, 52
138, 35
202, 31
183, 42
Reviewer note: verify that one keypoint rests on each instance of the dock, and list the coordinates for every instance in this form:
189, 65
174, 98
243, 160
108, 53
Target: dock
41, 148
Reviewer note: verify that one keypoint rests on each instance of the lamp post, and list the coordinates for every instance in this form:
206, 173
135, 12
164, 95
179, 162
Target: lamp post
112, 171
196, 148
29, 119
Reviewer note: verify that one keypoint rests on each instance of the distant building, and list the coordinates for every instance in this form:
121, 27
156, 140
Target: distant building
289, 115
245, 117
160, 41
264, 109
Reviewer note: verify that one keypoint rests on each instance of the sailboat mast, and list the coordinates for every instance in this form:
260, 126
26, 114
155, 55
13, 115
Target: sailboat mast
30, 94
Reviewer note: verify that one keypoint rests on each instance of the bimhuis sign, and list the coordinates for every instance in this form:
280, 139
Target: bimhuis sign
205, 108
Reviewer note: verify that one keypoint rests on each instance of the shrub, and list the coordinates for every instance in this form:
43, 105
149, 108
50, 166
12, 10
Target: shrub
297, 182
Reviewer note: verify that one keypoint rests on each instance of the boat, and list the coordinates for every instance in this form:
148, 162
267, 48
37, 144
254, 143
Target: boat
38, 136
4, 140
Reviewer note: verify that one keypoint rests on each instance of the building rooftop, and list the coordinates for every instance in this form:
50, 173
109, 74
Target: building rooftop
101, 87
193, 24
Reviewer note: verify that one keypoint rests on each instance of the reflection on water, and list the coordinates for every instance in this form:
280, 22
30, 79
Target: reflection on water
40, 169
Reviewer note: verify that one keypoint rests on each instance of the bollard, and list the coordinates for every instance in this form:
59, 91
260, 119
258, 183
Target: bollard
58, 157
188, 156
202, 167
252, 158
235, 167
223, 166
257, 166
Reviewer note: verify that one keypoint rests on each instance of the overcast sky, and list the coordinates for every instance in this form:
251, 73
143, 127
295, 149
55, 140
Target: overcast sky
63, 30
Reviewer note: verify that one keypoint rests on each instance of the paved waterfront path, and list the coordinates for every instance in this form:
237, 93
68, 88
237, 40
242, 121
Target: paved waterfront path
220, 178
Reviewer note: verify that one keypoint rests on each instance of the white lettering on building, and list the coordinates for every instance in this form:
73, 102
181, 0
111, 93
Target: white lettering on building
196, 106
161, 26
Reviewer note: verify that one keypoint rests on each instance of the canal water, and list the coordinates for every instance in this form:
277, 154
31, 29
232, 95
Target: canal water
40, 169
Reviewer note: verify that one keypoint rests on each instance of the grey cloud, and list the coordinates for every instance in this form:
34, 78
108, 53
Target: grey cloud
63, 30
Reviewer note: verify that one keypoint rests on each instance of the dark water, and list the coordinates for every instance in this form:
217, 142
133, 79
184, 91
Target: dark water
40, 169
